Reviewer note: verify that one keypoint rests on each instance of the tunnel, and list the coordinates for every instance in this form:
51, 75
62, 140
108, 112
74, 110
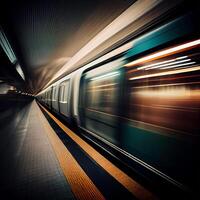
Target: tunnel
99, 100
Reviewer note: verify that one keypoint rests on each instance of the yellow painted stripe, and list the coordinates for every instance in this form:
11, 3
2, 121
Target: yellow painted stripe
131, 185
81, 185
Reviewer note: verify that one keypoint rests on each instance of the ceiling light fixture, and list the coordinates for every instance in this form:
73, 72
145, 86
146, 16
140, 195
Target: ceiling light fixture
7, 48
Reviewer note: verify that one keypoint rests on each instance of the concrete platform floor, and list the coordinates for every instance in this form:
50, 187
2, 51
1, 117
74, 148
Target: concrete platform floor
41, 158
29, 168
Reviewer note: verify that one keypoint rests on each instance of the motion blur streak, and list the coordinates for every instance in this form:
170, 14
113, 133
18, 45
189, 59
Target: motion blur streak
169, 64
106, 75
166, 106
165, 52
159, 63
167, 73
180, 65
171, 92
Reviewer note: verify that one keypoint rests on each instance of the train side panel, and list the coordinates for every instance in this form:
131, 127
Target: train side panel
158, 122
100, 99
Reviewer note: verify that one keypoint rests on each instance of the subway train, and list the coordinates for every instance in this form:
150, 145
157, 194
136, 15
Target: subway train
142, 100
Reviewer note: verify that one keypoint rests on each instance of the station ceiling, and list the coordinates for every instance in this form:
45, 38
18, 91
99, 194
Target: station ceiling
45, 34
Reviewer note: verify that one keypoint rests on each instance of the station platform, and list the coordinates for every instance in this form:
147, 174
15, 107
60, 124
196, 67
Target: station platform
41, 158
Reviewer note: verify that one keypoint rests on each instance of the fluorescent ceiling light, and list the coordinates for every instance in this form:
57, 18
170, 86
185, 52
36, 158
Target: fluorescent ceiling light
7, 48
19, 70
9, 52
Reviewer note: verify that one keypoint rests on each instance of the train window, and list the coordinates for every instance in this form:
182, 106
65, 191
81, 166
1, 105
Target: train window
102, 93
64, 92
48, 95
166, 92
54, 93
61, 94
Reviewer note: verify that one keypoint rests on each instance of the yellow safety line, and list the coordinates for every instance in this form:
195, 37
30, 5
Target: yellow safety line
81, 185
132, 186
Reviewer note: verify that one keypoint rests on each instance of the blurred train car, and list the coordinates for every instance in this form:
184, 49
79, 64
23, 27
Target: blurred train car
143, 102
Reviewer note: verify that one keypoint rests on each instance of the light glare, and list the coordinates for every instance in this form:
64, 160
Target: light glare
163, 53
106, 75
163, 62
169, 64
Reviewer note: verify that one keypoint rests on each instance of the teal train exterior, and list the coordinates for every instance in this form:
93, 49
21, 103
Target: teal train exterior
142, 105
141, 114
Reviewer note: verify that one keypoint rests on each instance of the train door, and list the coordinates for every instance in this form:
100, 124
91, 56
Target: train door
100, 100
